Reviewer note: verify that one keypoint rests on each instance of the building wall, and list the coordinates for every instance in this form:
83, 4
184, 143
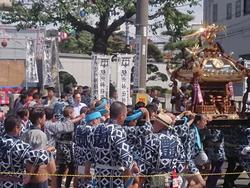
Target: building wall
237, 36
236, 39
16, 41
14, 54
10, 68
80, 67
77, 65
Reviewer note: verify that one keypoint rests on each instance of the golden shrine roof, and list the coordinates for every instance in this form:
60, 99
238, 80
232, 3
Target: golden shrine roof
212, 69
209, 63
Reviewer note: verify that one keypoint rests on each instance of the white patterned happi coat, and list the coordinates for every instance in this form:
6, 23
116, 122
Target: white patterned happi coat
14, 155
82, 151
161, 154
111, 154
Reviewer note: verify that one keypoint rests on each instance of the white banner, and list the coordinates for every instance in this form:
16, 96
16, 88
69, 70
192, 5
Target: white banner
47, 63
124, 65
31, 66
100, 76
40, 45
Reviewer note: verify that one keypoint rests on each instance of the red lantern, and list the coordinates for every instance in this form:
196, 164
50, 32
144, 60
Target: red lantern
62, 36
4, 43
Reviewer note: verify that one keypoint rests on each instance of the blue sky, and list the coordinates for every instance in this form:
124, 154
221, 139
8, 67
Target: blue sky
198, 18
198, 12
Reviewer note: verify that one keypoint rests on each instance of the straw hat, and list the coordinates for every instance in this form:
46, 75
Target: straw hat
164, 119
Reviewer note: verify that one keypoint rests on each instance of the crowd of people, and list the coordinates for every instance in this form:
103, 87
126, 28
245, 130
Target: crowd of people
108, 144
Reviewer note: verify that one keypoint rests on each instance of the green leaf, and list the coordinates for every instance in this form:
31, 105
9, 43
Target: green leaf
154, 52
102, 18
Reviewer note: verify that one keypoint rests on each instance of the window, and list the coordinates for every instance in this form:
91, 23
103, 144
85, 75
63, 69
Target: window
229, 11
215, 12
238, 8
246, 7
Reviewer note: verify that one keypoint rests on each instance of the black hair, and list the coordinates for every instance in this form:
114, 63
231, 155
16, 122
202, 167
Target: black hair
49, 113
156, 101
36, 95
130, 110
23, 91
91, 110
79, 87
11, 122
198, 117
22, 112
67, 110
51, 89
183, 88
111, 92
84, 110
85, 88
76, 93
139, 105
23, 97
31, 90
68, 89
152, 107
63, 95
99, 102
36, 114
153, 89
190, 87
116, 109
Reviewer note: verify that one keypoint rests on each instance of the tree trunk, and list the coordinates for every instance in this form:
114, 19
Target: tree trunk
100, 42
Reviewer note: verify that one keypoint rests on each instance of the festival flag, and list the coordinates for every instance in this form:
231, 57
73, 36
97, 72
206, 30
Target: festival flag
124, 65
47, 63
31, 66
100, 76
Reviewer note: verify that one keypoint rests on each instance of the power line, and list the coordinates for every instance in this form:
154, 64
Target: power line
233, 33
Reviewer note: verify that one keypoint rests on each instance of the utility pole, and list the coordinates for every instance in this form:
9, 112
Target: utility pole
127, 33
141, 46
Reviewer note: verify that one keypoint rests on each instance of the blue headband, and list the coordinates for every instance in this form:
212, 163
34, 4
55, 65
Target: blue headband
103, 111
102, 105
93, 116
137, 114
185, 120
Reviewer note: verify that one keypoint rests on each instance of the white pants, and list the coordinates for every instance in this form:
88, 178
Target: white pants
201, 158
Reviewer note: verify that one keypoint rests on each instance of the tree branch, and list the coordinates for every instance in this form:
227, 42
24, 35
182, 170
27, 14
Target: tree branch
119, 22
155, 15
80, 26
104, 19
